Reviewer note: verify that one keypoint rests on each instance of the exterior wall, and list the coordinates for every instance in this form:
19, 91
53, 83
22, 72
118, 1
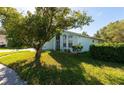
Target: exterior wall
79, 40
50, 45
76, 40
86, 42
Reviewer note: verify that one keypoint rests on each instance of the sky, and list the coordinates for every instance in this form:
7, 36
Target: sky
101, 16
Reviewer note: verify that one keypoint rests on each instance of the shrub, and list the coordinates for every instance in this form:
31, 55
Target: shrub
67, 50
108, 52
77, 48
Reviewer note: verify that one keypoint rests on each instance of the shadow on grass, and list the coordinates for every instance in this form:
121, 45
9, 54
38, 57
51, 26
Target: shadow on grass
65, 59
50, 75
72, 60
86, 58
71, 73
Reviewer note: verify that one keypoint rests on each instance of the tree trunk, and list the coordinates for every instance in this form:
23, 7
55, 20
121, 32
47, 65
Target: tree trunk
37, 56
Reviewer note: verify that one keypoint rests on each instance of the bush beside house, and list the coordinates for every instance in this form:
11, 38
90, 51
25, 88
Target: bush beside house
108, 52
77, 48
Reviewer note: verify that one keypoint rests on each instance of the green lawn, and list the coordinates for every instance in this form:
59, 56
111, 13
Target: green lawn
5, 48
63, 68
5, 53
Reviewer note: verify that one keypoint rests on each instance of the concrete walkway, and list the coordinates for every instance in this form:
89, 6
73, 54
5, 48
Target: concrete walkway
15, 50
9, 77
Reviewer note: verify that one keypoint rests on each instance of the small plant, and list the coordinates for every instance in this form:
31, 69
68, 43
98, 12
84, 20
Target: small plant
77, 48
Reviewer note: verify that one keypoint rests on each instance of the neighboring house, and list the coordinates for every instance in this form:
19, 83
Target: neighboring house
3, 41
67, 39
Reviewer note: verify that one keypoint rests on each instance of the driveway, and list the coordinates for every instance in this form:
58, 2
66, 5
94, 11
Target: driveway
9, 76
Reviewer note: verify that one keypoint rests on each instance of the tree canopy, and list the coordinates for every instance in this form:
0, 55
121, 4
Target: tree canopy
84, 33
35, 29
113, 32
11, 20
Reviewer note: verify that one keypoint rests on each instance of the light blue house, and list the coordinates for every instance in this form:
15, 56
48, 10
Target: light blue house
67, 39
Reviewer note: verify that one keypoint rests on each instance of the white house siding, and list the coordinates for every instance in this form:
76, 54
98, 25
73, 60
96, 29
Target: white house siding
76, 40
50, 45
86, 42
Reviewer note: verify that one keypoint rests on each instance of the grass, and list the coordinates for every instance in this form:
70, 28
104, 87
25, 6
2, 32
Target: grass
63, 68
17, 56
2, 54
4, 48
5, 53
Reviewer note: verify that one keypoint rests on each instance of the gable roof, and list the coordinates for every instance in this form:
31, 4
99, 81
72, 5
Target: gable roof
84, 36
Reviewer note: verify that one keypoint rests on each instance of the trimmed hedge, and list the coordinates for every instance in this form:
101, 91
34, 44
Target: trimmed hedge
108, 52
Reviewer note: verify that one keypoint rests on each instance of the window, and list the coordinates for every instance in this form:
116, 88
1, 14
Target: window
70, 37
64, 40
58, 42
70, 42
